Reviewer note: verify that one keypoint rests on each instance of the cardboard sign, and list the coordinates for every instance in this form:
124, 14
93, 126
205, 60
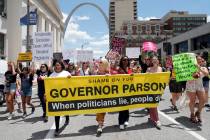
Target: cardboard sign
43, 47
133, 52
24, 57
118, 44
184, 66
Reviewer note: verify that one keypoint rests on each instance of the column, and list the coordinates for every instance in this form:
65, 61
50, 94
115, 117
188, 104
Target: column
13, 29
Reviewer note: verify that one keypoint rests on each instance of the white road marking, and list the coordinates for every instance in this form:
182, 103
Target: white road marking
50, 134
191, 132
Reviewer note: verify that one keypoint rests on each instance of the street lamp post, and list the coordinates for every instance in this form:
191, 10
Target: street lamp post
27, 35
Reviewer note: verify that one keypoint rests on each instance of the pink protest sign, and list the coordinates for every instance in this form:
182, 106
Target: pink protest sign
149, 46
117, 44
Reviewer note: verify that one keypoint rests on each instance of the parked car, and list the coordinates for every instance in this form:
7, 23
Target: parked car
3, 69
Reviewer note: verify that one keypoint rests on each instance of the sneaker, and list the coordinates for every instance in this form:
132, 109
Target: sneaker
126, 124
207, 105
32, 110
56, 133
122, 127
11, 115
100, 129
24, 114
158, 125
45, 119
175, 108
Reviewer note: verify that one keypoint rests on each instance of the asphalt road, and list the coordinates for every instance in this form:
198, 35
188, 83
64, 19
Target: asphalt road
174, 125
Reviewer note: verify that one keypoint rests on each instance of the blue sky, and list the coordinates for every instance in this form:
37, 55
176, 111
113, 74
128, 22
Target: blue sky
88, 26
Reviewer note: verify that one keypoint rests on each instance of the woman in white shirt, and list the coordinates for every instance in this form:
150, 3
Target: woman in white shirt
59, 71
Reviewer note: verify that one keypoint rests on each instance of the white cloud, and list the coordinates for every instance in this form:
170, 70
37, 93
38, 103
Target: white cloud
147, 18
75, 18
82, 18
208, 18
73, 33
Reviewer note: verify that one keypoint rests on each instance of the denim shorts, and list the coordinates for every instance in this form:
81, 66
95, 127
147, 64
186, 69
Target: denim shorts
27, 92
11, 88
206, 85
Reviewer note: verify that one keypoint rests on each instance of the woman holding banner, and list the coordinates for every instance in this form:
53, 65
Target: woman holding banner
59, 71
153, 111
195, 90
103, 69
42, 73
124, 68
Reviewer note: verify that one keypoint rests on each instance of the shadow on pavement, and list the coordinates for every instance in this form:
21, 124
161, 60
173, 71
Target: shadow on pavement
169, 111
32, 120
185, 121
5, 118
42, 134
139, 113
39, 135
91, 130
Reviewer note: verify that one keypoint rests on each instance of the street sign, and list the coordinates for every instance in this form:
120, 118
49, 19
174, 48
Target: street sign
32, 18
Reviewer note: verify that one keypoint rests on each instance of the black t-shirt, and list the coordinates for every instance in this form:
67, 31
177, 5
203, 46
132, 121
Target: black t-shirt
41, 88
11, 78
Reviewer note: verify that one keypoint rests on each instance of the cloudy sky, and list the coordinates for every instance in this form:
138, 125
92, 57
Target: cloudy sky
88, 28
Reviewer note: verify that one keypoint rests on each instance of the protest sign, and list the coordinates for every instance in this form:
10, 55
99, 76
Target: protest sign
42, 49
184, 66
133, 52
23, 57
96, 94
84, 55
117, 44
113, 55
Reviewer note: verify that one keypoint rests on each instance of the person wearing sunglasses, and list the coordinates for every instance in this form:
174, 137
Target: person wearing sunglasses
42, 73
124, 68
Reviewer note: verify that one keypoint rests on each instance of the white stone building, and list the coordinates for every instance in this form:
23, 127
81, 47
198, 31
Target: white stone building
12, 34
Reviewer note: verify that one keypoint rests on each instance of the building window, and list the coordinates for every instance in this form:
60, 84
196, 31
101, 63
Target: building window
3, 8
181, 47
148, 27
2, 44
157, 27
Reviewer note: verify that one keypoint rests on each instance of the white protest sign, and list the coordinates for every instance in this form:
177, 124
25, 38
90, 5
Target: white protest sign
84, 55
69, 54
133, 52
42, 49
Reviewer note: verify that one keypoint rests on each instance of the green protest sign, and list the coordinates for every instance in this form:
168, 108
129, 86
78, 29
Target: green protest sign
184, 66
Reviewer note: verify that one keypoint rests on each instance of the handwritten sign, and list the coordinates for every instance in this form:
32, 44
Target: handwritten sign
43, 47
184, 66
117, 44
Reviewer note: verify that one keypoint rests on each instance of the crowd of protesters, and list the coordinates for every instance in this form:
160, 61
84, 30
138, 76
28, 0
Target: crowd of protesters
19, 82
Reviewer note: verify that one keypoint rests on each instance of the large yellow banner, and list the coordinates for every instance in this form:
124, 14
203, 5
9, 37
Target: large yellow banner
96, 94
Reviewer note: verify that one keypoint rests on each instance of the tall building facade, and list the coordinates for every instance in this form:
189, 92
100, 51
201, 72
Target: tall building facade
119, 11
141, 31
13, 35
182, 21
